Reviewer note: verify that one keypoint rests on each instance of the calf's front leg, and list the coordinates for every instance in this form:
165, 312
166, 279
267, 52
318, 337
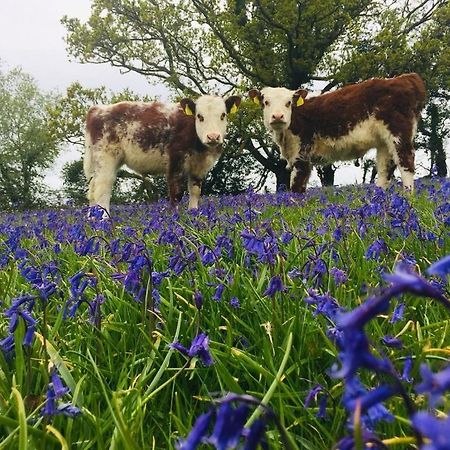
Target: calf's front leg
300, 174
194, 188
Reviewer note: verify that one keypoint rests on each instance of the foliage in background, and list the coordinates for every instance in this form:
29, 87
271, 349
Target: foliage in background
27, 144
208, 45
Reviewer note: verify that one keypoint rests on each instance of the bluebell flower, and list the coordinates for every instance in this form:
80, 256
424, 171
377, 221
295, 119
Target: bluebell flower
294, 273
198, 300
312, 394
375, 249
219, 292
434, 384
392, 341
370, 440
441, 267
69, 410
207, 256
58, 387
325, 304
275, 285
339, 276
198, 433
49, 408
234, 302
406, 373
29, 336
436, 430
372, 409
229, 426
322, 412
286, 237
398, 312
255, 435
405, 280
199, 348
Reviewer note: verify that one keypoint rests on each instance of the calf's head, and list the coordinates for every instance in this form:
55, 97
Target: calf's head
278, 104
210, 116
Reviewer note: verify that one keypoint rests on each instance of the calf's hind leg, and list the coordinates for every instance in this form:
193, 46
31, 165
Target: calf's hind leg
102, 181
404, 158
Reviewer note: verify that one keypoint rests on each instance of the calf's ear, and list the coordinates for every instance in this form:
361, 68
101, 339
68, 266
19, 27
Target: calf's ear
255, 95
232, 103
299, 97
188, 106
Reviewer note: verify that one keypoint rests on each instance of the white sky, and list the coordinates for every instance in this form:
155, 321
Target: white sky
31, 36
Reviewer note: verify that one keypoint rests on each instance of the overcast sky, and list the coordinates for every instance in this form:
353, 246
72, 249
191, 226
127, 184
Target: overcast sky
32, 36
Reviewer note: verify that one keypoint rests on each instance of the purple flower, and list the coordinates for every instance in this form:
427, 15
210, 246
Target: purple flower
49, 408
275, 285
58, 388
234, 302
441, 267
294, 273
397, 314
255, 435
229, 426
348, 443
339, 276
312, 394
322, 412
372, 409
406, 374
436, 430
325, 304
219, 292
198, 432
69, 410
405, 280
199, 348
392, 341
375, 249
286, 237
198, 300
434, 384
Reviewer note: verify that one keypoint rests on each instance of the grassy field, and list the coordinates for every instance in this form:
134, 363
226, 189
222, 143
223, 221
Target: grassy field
95, 306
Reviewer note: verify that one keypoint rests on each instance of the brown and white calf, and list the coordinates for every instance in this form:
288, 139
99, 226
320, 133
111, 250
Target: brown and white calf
181, 140
346, 123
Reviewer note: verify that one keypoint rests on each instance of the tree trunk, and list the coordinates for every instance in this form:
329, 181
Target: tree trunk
326, 174
436, 144
283, 177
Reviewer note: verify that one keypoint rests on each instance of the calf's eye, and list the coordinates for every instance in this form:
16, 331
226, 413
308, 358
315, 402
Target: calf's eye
200, 117
266, 103
288, 104
222, 116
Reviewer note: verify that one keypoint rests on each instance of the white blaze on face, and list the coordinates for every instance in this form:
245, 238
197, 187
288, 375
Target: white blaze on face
210, 119
277, 104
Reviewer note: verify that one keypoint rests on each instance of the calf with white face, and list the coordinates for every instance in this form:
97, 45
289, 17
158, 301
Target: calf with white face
342, 125
180, 140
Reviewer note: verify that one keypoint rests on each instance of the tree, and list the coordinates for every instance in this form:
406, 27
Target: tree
27, 146
417, 34
199, 46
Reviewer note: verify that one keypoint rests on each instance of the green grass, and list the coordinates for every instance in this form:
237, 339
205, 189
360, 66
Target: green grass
135, 392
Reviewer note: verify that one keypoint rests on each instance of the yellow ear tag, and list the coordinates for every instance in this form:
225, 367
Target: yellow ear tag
256, 100
300, 101
233, 109
188, 111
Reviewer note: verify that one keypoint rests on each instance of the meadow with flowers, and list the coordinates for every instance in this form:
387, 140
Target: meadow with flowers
277, 321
